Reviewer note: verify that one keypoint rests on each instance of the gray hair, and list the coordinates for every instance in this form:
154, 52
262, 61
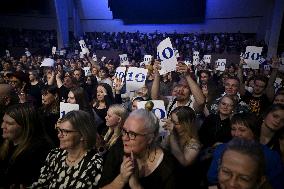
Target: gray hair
151, 122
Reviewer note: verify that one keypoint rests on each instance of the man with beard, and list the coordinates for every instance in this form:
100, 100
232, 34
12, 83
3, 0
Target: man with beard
188, 93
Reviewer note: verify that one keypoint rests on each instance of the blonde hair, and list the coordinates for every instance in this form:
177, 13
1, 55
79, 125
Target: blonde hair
112, 135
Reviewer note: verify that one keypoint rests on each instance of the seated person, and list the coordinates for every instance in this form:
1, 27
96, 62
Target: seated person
243, 126
139, 162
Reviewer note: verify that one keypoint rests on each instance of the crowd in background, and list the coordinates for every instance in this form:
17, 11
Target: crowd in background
212, 117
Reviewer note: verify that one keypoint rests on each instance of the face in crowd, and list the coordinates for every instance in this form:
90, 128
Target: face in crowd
274, 120
258, 87
237, 171
231, 86
226, 106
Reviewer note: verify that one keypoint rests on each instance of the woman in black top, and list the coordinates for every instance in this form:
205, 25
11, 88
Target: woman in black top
25, 146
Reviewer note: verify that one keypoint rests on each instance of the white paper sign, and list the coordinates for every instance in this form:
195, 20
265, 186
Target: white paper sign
47, 62
176, 53
135, 78
81, 55
28, 53
221, 64
165, 53
83, 46
103, 58
187, 62
252, 56
277, 83
159, 108
123, 59
147, 59
207, 59
94, 57
53, 51
120, 73
87, 71
67, 107
7, 53
195, 59
266, 67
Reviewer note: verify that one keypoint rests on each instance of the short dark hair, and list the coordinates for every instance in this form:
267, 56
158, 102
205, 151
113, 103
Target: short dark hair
249, 120
251, 148
261, 78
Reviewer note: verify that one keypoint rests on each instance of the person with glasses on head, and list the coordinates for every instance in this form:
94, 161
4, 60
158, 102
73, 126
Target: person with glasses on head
25, 146
75, 164
139, 162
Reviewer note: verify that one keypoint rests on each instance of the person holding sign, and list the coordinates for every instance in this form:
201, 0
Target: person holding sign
189, 93
140, 162
75, 164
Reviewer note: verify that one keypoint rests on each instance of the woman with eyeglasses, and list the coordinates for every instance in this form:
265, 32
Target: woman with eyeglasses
75, 164
25, 146
139, 162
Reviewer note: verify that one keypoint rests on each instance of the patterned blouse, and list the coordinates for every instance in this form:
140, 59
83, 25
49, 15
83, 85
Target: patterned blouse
57, 174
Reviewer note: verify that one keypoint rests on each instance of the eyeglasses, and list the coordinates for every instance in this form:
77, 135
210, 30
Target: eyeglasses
131, 135
64, 132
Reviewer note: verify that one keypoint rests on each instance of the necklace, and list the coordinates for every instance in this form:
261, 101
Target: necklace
76, 159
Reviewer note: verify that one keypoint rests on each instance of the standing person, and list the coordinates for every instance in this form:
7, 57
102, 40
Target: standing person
140, 162
242, 165
24, 148
75, 164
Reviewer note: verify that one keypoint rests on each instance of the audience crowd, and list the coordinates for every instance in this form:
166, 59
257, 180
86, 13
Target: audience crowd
223, 129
